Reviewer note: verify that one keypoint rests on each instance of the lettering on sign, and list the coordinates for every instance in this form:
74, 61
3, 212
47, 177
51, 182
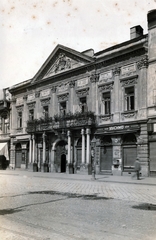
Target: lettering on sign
45, 93
31, 97
128, 69
82, 82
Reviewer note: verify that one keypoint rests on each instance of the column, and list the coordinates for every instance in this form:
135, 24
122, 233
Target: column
44, 147
69, 147
33, 150
83, 146
30, 150
88, 145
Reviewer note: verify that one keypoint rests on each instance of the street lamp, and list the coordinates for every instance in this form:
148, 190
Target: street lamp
93, 144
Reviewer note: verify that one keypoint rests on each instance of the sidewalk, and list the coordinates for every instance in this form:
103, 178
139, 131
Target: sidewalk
82, 177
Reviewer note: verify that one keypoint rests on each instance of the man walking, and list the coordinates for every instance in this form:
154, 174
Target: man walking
137, 168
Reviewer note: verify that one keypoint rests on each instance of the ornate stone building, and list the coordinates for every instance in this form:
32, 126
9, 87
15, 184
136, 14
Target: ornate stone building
4, 128
77, 97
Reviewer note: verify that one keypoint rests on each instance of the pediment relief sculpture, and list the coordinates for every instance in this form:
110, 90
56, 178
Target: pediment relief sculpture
63, 63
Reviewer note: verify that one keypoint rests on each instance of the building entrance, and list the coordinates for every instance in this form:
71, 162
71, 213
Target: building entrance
63, 163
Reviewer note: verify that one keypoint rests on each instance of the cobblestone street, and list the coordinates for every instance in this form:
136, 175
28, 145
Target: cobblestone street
44, 206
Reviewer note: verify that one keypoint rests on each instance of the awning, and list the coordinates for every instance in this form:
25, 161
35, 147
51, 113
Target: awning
4, 150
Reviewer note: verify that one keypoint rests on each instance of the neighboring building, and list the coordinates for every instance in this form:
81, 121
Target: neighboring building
4, 128
76, 98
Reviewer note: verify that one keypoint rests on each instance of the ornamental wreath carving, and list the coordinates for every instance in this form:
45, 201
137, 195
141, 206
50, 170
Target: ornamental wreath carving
20, 108
94, 78
143, 63
63, 63
45, 101
31, 105
82, 92
63, 97
106, 87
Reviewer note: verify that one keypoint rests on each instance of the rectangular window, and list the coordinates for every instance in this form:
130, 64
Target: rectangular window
46, 111
63, 108
31, 114
83, 104
129, 99
19, 120
106, 102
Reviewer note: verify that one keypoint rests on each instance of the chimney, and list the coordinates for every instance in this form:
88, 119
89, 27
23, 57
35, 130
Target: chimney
151, 17
136, 31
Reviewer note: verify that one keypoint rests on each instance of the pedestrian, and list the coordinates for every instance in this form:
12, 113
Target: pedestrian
137, 168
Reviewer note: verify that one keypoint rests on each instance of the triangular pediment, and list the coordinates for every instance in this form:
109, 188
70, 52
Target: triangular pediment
62, 59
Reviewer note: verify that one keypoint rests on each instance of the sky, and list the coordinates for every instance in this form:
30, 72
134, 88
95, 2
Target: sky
30, 30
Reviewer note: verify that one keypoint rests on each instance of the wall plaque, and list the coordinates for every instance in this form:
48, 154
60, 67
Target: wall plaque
82, 82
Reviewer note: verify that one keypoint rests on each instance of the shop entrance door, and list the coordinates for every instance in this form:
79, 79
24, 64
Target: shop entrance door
106, 158
129, 157
152, 150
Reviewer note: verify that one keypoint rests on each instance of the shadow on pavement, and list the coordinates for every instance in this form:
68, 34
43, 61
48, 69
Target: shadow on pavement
72, 195
145, 206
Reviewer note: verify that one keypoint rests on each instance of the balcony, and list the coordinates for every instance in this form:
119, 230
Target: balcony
69, 120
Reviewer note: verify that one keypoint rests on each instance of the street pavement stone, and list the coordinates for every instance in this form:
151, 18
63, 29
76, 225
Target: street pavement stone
131, 191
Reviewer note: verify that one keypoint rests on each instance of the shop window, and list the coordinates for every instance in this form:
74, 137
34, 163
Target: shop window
129, 99
106, 99
63, 108
83, 104
31, 114
6, 125
46, 111
19, 120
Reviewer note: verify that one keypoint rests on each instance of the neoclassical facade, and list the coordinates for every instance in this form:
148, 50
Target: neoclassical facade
83, 101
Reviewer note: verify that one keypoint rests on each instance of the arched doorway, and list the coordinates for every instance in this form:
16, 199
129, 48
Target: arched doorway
60, 156
129, 151
106, 154
18, 157
63, 163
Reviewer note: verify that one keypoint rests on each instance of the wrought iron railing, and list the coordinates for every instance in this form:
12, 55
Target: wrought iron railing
68, 120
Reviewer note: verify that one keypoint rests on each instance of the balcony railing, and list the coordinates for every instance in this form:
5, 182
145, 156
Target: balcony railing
68, 120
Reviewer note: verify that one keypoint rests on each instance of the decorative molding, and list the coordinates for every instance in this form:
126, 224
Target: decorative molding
106, 117
20, 108
45, 92
106, 87
94, 78
25, 97
128, 70
143, 63
37, 94
116, 71
53, 89
63, 87
105, 77
45, 101
131, 114
30, 97
72, 84
63, 97
129, 81
31, 105
62, 63
82, 92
